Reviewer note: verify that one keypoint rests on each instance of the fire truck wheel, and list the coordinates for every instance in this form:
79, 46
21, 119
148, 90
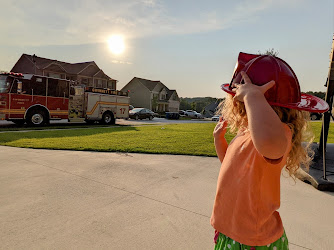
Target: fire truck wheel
108, 118
37, 117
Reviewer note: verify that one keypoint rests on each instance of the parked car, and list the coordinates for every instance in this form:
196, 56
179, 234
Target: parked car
215, 118
192, 114
315, 116
182, 113
199, 115
141, 113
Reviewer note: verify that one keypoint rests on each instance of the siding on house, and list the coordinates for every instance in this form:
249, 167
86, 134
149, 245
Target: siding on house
174, 102
174, 106
140, 97
145, 93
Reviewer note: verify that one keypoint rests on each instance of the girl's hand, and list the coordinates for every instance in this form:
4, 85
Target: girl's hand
242, 90
219, 138
220, 129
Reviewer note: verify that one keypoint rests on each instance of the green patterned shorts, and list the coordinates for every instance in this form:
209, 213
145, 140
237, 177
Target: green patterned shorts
225, 243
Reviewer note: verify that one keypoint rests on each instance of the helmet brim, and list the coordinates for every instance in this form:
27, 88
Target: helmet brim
308, 103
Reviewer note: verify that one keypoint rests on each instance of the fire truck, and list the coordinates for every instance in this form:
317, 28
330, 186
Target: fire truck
38, 99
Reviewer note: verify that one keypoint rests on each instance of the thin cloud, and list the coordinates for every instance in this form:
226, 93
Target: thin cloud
38, 22
150, 3
121, 62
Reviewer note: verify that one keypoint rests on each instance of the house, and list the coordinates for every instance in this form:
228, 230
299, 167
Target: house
152, 95
211, 109
87, 73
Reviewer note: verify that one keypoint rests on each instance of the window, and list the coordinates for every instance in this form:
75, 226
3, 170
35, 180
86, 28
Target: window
90, 82
38, 85
52, 87
4, 84
26, 87
99, 83
54, 75
57, 88
14, 87
84, 81
62, 88
111, 85
104, 83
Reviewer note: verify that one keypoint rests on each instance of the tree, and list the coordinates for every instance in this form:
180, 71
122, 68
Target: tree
197, 103
270, 52
193, 105
319, 94
184, 105
155, 103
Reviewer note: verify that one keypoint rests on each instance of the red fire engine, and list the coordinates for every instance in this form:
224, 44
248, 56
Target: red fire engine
38, 99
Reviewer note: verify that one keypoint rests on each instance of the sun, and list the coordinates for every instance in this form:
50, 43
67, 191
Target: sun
116, 44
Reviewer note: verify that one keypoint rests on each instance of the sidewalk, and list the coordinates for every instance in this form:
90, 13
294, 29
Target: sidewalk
90, 200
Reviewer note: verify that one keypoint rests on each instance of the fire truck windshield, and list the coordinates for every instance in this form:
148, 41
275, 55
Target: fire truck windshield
4, 85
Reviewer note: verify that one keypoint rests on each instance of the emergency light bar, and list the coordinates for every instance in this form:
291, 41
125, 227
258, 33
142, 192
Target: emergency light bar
12, 74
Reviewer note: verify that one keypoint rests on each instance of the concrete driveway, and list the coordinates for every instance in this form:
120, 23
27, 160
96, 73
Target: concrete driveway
89, 200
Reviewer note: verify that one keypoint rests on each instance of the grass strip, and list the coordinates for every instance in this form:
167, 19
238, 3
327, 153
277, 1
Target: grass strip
188, 139
183, 139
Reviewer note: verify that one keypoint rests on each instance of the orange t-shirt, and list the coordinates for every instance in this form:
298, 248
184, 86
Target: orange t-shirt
248, 193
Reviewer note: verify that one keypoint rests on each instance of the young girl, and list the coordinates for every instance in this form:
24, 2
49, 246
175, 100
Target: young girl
265, 108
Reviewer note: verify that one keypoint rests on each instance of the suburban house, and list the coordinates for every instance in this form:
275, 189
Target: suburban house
87, 73
152, 95
211, 109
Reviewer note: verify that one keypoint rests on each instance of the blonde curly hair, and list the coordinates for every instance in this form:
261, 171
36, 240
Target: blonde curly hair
234, 113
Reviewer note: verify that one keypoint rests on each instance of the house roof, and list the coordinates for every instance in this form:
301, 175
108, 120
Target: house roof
170, 93
70, 68
150, 84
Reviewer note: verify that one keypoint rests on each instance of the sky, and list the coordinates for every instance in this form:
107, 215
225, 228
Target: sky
190, 46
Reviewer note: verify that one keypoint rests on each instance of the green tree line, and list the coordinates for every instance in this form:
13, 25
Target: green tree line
319, 94
197, 103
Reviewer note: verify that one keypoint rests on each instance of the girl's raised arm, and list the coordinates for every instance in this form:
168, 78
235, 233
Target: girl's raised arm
265, 127
219, 138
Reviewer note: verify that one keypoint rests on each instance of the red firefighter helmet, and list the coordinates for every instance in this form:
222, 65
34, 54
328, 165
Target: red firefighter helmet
285, 93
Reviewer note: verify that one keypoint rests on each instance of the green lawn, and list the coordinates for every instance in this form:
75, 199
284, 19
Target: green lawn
188, 139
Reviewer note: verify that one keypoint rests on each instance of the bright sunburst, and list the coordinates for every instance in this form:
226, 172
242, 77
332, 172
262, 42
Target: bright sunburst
116, 44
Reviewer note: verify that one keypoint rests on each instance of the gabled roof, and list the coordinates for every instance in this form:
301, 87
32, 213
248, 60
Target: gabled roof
170, 93
212, 106
70, 68
149, 84
76, 68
